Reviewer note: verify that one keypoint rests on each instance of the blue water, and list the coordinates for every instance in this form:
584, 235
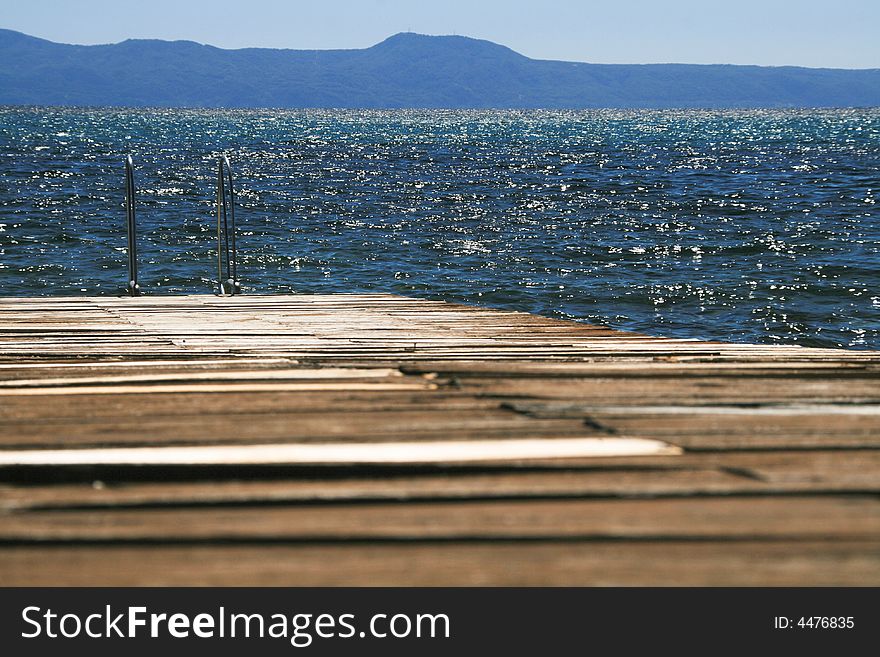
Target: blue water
757, 226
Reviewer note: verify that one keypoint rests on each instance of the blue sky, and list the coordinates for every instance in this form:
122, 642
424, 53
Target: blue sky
835, 33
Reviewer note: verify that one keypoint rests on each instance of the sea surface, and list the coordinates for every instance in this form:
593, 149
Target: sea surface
757, 226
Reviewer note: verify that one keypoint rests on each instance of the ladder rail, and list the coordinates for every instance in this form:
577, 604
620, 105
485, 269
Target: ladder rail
133, 287
227, 277
227, 253
232, 221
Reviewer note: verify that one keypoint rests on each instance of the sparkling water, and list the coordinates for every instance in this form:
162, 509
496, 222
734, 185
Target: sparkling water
757, 226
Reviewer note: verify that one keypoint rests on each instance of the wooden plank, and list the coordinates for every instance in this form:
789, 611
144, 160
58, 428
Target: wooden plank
243, 427
311, 374
641, 369
540, 563
207, 405
180, 389
412, 486
749, 473
766, 411
715, 427
22, 370
686, 391
349, 453
801, 518
418, 424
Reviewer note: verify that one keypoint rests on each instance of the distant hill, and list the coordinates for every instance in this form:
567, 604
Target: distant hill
405, 70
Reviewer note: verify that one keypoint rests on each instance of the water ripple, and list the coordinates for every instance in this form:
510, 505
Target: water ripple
733, 225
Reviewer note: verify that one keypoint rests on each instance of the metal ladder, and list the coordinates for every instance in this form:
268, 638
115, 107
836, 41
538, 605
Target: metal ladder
133, 287
228, 284
227, 254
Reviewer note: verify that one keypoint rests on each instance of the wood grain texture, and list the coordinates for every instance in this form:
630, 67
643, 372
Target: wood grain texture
695, 475
803, 518
776, 481
540, 563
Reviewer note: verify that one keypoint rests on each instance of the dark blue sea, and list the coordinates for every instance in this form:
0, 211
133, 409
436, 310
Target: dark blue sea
758, 226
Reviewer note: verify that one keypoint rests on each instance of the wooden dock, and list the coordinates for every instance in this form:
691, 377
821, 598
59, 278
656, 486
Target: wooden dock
383, 440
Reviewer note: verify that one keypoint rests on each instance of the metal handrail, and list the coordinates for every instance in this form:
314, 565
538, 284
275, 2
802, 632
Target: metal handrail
228, 284
227, 253
133, 287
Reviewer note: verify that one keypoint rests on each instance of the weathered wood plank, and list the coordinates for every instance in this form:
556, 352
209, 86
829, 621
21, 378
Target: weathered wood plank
715, 427
205, 405
342, 453
275, 374
754, 497
179, 389
644, 368
540, 563
737, 473
413, 486
240, 426
800, 518
684, 391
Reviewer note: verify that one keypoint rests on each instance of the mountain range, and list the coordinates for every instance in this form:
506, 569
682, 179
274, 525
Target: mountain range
405, 70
